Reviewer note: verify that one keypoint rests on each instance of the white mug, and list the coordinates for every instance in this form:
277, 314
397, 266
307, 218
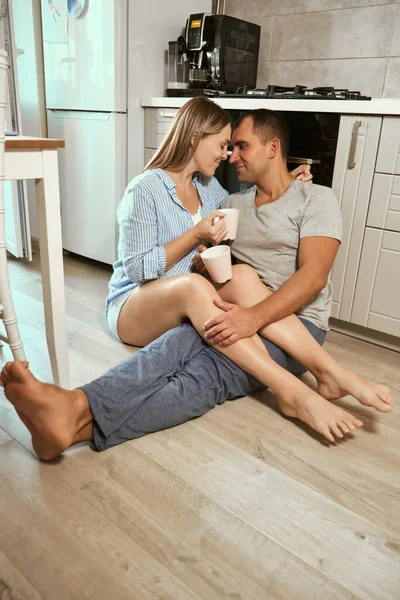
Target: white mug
218, 263
231, 218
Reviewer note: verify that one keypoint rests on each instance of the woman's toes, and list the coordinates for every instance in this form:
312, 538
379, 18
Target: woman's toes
344, 427
336, 430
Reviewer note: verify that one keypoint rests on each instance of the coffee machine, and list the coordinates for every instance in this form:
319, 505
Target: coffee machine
217, 52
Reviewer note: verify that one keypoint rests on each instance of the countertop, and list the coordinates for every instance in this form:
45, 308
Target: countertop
376, 106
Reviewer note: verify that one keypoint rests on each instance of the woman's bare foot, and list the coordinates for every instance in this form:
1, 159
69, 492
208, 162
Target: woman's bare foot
339, 381
302, 403
56, 418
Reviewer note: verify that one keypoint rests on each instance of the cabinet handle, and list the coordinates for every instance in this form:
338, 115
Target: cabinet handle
353, 147
167, 115
296, 160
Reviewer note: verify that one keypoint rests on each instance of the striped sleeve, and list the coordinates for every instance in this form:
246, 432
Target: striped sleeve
142, 258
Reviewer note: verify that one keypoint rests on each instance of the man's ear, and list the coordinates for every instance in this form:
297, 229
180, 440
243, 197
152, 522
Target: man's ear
275, 148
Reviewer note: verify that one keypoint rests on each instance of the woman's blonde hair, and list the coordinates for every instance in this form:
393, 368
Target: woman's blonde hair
199, 117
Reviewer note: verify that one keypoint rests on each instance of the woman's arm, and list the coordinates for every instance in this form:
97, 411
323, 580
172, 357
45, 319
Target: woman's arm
143, 257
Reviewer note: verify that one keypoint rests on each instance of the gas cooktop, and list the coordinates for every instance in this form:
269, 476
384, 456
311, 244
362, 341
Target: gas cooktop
298, 92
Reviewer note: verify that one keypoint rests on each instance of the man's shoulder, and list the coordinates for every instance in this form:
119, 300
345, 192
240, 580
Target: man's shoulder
310, 190
312, 194
240, 198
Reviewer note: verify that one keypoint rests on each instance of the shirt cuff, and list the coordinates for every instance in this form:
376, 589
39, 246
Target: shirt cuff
154, 263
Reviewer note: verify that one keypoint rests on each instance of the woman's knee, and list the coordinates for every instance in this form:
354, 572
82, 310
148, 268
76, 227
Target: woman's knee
195, 286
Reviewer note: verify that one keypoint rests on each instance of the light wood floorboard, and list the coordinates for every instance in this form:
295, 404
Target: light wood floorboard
241, 503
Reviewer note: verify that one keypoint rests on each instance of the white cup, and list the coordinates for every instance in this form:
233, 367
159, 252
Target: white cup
231, 219
218, 263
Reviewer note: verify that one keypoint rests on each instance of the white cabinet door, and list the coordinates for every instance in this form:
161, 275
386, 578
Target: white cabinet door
352, 181
384, 208
389, 147
377, 297
158, 122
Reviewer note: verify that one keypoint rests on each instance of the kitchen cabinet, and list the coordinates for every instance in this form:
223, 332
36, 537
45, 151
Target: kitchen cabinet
377, 297
352, 183
384, 208
377, 291
158, 122
388, 160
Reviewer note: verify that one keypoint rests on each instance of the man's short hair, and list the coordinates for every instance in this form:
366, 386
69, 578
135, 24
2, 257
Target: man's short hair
268, 124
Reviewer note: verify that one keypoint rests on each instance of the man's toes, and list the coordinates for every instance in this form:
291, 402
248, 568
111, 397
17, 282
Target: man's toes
326, 433
386, 396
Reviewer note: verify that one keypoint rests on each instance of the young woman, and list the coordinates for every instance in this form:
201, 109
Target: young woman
165, 213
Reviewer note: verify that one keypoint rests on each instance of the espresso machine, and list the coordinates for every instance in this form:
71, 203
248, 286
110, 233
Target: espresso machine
217, 53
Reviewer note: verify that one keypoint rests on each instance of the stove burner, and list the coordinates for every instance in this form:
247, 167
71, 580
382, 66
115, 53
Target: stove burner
298, 92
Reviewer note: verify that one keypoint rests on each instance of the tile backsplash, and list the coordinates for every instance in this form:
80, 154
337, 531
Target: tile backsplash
353, 44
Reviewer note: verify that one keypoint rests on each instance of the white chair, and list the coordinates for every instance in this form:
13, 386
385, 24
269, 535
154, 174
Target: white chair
7, 313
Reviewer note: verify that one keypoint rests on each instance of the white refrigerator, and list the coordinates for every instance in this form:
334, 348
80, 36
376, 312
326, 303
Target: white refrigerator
97, 66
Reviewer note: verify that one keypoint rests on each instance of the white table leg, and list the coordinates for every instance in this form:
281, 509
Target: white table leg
51, 260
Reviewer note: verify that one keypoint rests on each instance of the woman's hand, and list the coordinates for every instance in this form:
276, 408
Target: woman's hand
198, 263
211, 229
303, 173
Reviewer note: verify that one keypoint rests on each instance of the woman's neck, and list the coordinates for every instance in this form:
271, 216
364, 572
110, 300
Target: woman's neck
184, 177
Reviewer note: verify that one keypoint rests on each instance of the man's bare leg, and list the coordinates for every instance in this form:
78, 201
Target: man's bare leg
334, 380
56, 418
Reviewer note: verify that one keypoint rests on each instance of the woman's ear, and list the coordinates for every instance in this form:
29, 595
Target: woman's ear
193, 140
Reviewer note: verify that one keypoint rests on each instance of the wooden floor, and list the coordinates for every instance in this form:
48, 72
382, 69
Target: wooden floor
240, 503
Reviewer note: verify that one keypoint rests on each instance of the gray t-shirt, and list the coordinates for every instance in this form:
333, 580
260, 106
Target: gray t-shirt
268, 237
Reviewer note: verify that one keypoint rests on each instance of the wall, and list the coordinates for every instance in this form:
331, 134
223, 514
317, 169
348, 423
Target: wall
155, 22
351, 44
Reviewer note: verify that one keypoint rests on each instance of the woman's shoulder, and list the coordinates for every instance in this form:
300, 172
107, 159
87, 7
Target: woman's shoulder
149, 183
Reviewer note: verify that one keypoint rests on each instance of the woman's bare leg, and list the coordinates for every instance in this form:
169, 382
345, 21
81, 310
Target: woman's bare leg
334, 380
163, 304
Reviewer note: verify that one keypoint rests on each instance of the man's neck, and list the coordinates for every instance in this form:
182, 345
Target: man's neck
272, 185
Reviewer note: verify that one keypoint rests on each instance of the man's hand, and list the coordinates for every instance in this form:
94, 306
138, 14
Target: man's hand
303, 173
236, 323
198, 262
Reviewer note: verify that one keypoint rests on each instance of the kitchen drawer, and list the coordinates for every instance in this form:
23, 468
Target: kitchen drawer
384, 207
389, 147
377, 298
158, 122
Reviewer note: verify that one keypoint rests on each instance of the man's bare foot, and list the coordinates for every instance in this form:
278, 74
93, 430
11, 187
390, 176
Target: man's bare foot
339, 382
56, 418
322, 416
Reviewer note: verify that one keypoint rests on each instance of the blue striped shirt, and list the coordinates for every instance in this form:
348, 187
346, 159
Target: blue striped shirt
149, 216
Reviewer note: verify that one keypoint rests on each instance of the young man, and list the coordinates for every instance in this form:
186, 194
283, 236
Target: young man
289, 232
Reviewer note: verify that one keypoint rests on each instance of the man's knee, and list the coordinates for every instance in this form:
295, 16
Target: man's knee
244, 273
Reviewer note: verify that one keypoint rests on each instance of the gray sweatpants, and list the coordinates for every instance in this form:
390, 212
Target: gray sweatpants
174, 379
